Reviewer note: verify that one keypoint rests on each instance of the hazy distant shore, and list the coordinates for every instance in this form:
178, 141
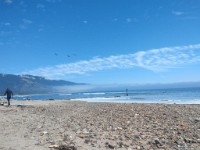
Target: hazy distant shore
39, 125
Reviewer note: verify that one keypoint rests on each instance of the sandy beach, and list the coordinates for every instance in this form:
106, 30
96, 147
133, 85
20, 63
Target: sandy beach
78, 125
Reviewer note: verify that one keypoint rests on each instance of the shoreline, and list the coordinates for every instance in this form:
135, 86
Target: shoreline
41, 124
112, 100
178, 96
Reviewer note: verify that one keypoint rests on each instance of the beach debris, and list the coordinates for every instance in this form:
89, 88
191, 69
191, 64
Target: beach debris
54, 146
43, 133
63, 147
2, 102
118, 128
136, 115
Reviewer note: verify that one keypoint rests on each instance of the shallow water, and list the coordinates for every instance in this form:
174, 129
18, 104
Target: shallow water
178, 95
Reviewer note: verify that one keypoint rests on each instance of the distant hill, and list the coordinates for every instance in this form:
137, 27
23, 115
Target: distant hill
28, 84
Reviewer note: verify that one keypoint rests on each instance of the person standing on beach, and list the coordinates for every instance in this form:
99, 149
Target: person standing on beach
126, 92
9, 94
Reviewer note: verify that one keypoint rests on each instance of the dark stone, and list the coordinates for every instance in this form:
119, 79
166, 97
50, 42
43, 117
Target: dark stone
66, 147
87, 141
136, 137
197, 120
109, 145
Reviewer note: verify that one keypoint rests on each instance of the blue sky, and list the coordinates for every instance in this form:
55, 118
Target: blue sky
102, 41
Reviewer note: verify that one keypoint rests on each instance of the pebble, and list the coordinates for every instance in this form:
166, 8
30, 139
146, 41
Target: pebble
197, 120
81, 125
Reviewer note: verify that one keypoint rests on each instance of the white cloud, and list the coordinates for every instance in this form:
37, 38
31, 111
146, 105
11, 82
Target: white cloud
53, 1
40, 6
27, 21
115, 19
128, 20
22, 27
7, 23
85, 21
8, 2
40, 29
177, 13
154, 60
25, 24
21, 3
5, 33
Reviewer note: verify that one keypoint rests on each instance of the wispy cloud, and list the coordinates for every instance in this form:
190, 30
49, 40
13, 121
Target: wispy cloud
53, 1
8, 2
115, 19
128, 20
41, 28
177, 13
40, 6
7, 24
154, 60
5, 33
190, 18
25, 23
85, 21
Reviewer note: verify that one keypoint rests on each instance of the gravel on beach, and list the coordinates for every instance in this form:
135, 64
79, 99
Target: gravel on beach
78, 125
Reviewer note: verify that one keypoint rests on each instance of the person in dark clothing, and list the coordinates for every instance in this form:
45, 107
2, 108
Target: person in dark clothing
9, 94
126, 92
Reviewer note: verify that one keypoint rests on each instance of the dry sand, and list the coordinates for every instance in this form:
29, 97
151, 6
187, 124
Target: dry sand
70, 125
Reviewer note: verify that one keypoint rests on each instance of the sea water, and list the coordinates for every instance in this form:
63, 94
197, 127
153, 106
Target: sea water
176, 95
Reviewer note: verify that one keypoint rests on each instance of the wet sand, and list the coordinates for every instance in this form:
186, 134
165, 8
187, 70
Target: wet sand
70, 125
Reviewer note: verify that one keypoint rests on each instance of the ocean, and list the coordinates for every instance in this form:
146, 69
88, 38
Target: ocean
176, 95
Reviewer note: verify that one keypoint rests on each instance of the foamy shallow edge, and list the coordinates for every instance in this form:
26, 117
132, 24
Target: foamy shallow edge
124, 100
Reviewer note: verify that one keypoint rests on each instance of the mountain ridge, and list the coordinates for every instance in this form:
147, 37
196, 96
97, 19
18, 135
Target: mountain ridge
29, 84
